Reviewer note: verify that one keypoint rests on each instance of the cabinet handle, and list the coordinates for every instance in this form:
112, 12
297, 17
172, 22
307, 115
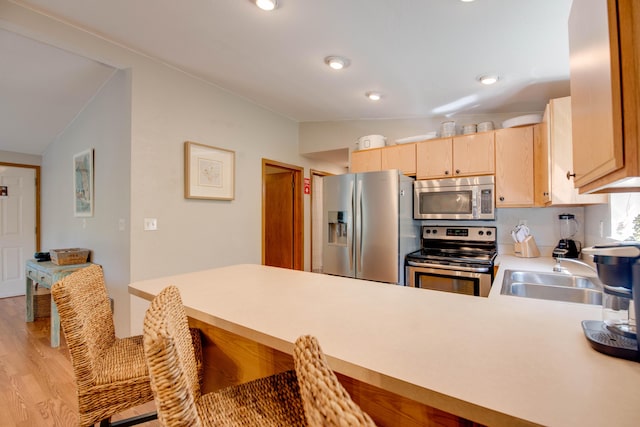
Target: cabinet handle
545, 193
457, 171
569, 175
446, 172
502, 198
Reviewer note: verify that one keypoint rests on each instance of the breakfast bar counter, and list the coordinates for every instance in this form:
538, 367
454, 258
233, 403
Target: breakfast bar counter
407, 354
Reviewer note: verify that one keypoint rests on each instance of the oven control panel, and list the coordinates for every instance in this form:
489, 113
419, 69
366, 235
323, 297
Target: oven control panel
467, 233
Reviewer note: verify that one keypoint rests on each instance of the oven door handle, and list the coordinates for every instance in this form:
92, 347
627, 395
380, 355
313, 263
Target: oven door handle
483, 269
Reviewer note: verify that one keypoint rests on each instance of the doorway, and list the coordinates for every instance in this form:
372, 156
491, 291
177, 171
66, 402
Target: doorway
282, 215
19, 224
316, 217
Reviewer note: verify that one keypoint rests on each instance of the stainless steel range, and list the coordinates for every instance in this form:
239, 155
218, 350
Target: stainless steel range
456, 259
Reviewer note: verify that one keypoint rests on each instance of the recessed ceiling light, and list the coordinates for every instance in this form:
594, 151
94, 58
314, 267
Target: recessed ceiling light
373, 96
337, 62
266, 4
488, 79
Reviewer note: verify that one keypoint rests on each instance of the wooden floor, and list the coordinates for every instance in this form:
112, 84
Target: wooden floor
37, 386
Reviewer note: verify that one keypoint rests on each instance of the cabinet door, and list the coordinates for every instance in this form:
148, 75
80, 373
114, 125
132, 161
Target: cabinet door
434, 158
474, 154
402, 156
595, 90
514, 167
366, 161
562, 189
542, 161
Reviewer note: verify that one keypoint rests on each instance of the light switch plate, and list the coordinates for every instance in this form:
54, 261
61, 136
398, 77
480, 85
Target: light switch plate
150, 224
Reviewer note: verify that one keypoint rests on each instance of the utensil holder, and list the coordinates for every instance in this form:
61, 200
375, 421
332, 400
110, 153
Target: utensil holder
527, 248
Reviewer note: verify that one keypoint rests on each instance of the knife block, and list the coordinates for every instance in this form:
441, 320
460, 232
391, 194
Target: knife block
527, 248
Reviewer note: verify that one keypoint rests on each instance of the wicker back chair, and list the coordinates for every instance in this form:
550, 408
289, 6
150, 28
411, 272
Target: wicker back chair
270, 401
111, 373
326, 402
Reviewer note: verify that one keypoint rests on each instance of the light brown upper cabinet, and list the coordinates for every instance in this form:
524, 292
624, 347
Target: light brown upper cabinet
401, 156
554, 159
604, 45
514, 167
465, 155
366, 160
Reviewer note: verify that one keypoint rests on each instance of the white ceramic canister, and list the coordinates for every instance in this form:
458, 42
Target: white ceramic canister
448, 128
370, 141
469, 129
485, 126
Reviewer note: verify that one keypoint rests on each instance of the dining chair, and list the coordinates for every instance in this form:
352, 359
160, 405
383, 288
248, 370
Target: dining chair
269, 401
111, 373
326, 402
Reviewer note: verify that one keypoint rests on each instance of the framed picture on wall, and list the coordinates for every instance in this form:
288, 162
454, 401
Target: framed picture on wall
208, 172
83, 183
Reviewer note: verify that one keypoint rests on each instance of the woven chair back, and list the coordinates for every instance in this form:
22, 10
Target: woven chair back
326, 402
171, 360
86, 318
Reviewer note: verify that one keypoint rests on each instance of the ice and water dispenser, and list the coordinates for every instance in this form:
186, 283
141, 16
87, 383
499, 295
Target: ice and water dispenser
338, 227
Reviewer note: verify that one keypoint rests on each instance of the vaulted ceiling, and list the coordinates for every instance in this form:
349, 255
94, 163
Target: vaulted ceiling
424, 56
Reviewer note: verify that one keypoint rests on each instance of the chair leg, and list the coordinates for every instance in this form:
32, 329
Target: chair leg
139, 419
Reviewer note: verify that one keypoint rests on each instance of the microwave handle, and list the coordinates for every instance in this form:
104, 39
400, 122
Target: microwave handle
474, 202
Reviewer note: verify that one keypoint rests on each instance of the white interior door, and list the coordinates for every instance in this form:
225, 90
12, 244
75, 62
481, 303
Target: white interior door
17, 227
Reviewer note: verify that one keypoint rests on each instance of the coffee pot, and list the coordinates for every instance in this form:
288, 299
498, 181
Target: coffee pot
618, 267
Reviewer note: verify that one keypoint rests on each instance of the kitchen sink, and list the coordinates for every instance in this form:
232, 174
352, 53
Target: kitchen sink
552, 286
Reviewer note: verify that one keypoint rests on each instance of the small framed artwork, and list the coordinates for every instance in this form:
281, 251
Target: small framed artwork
208, 172
83, 183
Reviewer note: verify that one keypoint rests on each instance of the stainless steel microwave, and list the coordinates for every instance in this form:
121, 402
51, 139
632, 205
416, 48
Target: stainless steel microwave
470, 198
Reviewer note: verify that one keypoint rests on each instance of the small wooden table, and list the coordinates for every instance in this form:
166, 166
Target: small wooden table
45, 274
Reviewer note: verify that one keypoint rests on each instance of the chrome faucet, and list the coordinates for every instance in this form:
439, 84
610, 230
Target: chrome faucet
559, 268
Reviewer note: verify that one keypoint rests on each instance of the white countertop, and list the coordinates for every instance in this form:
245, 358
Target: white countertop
522, 357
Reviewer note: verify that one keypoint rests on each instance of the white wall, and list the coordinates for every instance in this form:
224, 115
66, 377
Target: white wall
19, 158
168, 107
333, 135
105, 126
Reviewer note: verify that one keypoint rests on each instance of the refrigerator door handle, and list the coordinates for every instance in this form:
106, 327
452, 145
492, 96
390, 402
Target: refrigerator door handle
358, 224
352, 234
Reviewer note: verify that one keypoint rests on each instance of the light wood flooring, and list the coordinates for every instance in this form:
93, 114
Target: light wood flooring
37, 385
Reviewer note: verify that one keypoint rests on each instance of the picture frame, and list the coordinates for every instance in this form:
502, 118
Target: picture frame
83, 184
209, 172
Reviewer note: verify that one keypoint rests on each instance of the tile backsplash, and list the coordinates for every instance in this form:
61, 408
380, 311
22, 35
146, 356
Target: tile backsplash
542, 222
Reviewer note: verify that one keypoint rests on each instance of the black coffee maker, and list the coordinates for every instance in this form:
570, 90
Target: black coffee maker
567, 247
618, 268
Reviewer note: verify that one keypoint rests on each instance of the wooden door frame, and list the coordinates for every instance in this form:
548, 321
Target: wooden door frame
298, 210
312, 173
37, 189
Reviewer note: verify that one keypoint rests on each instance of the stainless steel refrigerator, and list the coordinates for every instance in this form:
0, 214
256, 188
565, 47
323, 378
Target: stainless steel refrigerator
368, 225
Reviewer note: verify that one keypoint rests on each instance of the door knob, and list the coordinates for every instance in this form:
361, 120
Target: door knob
569, 175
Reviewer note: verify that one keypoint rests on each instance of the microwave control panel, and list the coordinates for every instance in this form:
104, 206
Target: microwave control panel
486, 201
